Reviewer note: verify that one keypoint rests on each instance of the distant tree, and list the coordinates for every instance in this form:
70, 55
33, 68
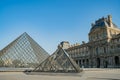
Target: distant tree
1, 63
16, 63
8, 62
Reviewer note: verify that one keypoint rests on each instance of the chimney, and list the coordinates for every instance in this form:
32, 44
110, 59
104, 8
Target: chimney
110, 20
92, 24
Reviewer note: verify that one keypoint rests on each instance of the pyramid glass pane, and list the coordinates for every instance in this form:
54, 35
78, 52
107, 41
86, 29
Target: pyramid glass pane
22, 52
59, 61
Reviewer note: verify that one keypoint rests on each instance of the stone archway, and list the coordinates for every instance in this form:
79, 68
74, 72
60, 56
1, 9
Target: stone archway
116, 58
80, 63
98, 62
87, 63
76, 61
83, 65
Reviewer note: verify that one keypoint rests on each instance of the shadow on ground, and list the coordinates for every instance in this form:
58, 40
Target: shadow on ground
55, 74
94, 78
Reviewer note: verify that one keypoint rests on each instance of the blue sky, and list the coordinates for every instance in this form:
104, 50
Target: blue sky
49, 22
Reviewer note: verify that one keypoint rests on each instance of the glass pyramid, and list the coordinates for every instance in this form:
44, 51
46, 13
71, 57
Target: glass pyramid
23, 52
59, 61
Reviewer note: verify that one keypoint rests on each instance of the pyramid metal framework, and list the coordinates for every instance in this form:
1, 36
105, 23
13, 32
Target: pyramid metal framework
59, 61
23, 52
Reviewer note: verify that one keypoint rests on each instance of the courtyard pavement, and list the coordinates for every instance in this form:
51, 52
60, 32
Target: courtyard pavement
87, 74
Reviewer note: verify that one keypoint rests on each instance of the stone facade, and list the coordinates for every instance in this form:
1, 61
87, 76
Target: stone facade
103, 48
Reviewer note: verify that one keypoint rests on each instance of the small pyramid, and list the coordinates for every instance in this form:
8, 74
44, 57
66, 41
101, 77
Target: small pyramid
22, 52
59, 61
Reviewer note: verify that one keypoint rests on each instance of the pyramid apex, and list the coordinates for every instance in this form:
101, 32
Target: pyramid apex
25, 33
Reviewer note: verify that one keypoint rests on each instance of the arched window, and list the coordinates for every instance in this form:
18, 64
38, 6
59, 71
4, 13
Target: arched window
98, 62
97, 50
116, 60
104, 50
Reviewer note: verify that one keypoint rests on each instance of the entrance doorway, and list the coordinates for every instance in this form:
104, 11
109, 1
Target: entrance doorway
79, 62
116, 61
98, 62
87, 61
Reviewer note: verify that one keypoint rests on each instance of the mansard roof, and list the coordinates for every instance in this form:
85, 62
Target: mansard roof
102, 22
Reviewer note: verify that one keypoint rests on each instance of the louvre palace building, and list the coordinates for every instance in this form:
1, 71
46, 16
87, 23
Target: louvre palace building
103, 48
